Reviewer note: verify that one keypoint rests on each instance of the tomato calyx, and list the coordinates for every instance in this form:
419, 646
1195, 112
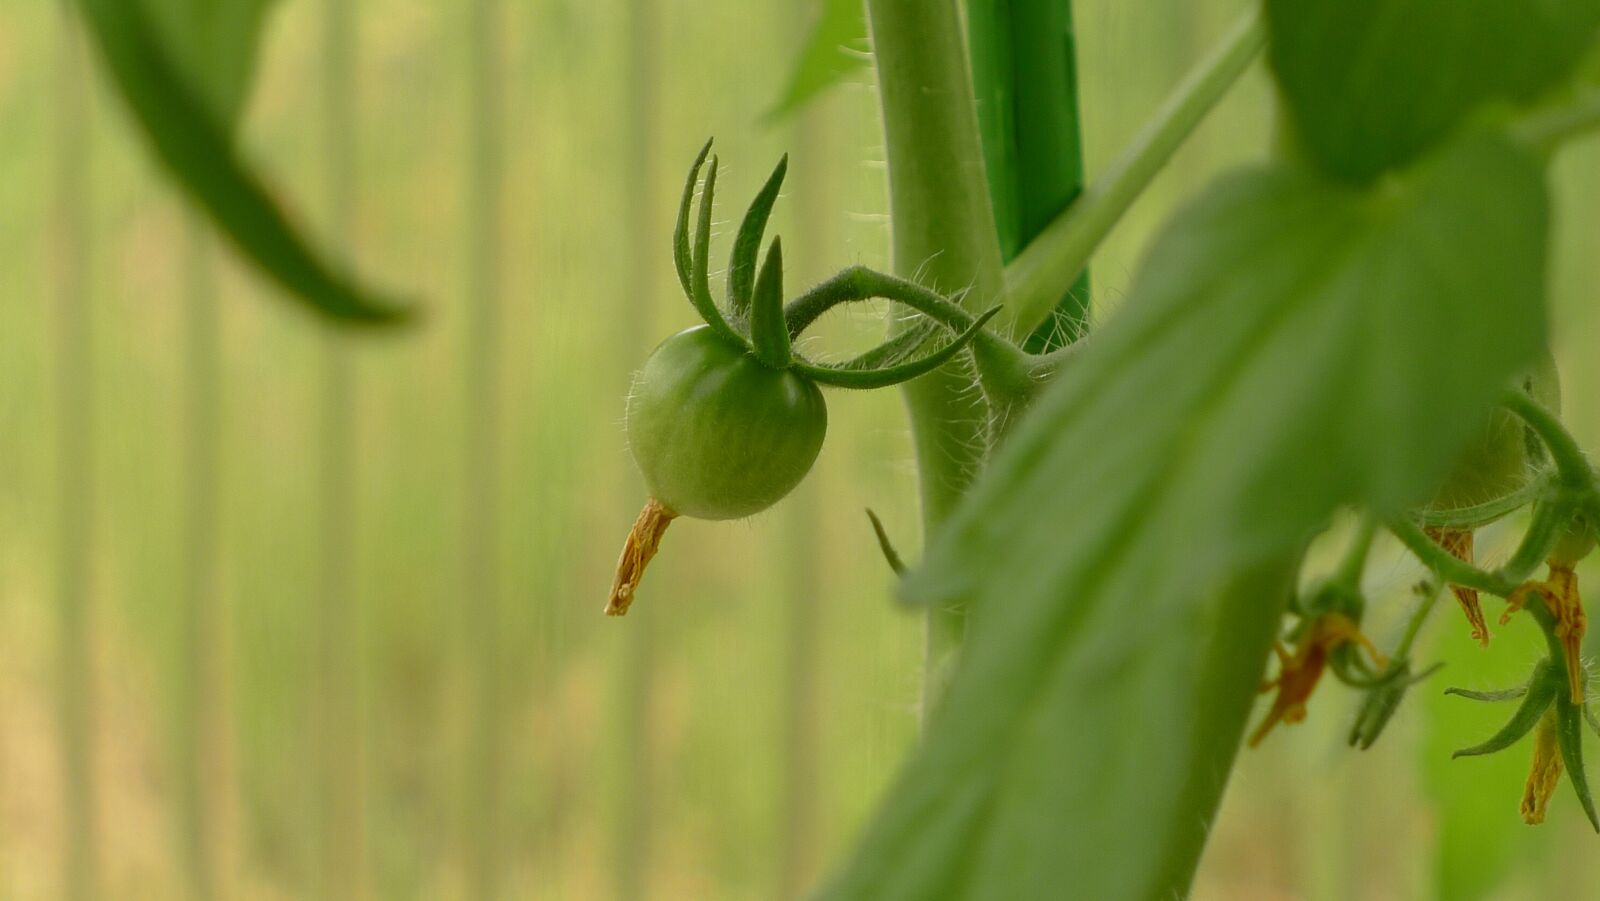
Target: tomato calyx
1548, 707
756, 319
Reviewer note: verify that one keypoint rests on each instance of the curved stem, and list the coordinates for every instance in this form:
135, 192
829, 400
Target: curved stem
1542, 534
862, 283
1414, 626
1355, 558
1443, 564
1036, 279
1569, 458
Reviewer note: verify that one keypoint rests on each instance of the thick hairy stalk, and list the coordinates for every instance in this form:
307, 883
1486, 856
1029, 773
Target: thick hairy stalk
944, 238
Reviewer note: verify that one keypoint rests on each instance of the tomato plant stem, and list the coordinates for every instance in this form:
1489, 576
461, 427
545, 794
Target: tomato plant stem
1571, 463
1541, 536
1036, 279
1355, 558
943, 238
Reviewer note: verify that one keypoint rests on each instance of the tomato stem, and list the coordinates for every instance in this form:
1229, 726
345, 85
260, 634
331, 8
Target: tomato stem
944, 237
1571, 464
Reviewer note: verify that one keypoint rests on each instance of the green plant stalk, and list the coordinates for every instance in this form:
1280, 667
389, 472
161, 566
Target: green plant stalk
340, 771
480, 562
74, 651
943, 238
1542, 534
1572, 465
199, 703
1025, 77
1062, 250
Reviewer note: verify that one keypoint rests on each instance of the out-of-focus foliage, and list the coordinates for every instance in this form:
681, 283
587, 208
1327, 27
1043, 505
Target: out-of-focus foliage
184, 85
215, 46
835, 50
1312, 301
1372, 84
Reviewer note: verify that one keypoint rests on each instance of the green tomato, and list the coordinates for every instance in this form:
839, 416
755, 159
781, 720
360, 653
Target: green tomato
718, 434
1504, 454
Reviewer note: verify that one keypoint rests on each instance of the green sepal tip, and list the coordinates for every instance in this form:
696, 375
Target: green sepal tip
769, 336
747, 242
681, 258
885, 545
1505, 694
700, 276
1382, 700
1569, 734
1542, 689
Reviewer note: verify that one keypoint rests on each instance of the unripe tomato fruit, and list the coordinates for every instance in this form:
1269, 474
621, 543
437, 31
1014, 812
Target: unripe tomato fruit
718, 434
1504, 454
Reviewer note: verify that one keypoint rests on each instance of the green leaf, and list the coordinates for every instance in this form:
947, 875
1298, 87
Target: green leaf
835, 49
1025, 80
189, 130
1290, 346
1372, 84
769, 334
214, 46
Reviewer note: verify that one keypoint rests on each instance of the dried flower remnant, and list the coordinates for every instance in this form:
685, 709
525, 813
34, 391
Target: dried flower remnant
1458, 542
1545, 773
1560, 596
1299, 673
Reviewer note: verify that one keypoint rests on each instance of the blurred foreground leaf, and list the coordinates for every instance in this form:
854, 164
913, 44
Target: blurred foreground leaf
1290, 346
185, 80
1372, 84
214, 46
835, 49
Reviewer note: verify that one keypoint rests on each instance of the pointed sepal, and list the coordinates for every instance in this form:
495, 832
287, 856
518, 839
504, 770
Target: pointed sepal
885, 545
1541, 692
747, 242
1569, 731
682, 259
1383, 700
699, 271
769, 335
1506, 694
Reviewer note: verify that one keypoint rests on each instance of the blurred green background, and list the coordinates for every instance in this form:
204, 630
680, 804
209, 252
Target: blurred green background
286, 613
